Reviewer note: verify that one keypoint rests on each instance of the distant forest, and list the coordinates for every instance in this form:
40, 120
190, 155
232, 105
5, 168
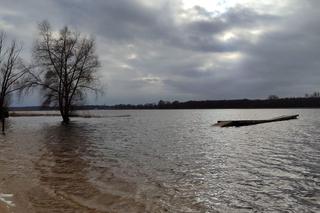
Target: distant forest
271, 102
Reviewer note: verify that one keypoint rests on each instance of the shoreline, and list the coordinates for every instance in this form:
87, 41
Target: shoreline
56, 114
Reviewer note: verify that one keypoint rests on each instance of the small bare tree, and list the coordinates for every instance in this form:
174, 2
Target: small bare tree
66, 67
13, 73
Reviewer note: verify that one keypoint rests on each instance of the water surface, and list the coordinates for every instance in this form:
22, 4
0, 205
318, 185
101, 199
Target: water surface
162, 161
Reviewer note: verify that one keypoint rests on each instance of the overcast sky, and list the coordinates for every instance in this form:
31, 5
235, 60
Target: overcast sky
185, 49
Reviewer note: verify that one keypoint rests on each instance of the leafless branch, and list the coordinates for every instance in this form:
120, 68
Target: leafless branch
12, 69
66, 67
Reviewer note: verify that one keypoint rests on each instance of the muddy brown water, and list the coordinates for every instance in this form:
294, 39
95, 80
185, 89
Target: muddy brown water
161, 161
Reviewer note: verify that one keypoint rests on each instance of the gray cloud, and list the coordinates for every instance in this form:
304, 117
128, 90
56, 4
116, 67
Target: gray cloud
153, 50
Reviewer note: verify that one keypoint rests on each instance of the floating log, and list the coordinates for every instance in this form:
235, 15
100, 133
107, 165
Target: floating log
238, 123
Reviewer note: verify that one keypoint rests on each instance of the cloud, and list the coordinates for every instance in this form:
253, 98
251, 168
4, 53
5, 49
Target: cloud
153, 50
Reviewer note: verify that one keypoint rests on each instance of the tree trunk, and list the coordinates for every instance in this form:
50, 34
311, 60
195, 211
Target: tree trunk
3, 124
2, 116
66, 115
66, 119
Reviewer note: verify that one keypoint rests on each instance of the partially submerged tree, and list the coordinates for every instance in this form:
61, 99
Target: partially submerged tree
13, 73
66, 67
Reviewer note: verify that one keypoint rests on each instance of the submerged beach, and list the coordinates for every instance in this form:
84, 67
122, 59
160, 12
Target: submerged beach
161, 161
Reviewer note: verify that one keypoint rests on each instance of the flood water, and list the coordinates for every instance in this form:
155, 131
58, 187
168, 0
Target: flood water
162, 161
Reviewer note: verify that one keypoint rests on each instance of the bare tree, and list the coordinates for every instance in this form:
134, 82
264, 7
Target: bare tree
66, 67
273, 97
13, 73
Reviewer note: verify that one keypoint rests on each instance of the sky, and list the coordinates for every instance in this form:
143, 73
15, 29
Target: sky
184, 49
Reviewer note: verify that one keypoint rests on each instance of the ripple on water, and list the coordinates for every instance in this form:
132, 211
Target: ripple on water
163, 161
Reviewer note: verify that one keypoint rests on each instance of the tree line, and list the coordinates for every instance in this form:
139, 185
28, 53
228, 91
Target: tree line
294, 102
64, 66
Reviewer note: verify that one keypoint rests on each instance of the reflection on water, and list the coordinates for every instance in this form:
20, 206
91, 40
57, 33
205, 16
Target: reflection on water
63, 169
162, 161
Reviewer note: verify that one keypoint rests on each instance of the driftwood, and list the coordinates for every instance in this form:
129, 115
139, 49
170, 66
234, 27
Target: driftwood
238, 123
